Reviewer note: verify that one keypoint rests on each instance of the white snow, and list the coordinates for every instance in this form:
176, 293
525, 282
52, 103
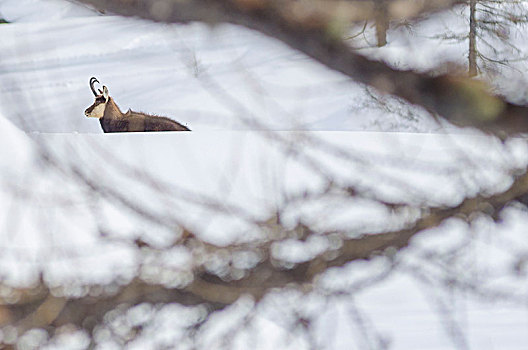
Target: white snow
218, 81
42, 10
207, 78
247, 171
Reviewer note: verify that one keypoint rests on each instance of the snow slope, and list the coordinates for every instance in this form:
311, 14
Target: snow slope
208, 78
42, 10
222, 79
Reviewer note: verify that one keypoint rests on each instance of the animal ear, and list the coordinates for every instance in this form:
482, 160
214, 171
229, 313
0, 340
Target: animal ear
105, 92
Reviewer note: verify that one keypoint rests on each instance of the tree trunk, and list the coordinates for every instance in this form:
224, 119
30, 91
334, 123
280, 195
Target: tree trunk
472, 66
382, 22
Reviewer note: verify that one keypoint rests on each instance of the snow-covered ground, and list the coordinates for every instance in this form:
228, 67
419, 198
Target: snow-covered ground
219, 81
173, 70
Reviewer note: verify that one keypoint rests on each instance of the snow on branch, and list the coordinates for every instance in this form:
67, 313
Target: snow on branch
41, 306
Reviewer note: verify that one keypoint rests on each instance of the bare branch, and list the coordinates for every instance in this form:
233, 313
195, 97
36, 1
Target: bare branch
40, 307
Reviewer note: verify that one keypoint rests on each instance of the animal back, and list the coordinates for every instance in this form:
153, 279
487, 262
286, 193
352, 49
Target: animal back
153, 123
138, 122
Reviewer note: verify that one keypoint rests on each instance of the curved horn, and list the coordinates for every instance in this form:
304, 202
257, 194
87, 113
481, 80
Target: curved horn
93, 80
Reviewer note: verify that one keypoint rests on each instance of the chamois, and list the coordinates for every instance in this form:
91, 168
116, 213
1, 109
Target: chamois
113, 120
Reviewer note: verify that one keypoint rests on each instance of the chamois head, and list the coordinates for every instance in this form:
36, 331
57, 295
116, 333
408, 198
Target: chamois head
96, 110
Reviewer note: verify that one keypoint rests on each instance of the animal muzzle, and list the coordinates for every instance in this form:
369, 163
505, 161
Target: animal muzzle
95, 111
88, 111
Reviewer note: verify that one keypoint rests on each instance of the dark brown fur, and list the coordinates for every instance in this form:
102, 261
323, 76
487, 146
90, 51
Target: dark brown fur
114, 120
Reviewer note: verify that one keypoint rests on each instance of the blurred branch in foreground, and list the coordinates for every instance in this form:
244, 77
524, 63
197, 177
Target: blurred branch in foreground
51, 308
250, 271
